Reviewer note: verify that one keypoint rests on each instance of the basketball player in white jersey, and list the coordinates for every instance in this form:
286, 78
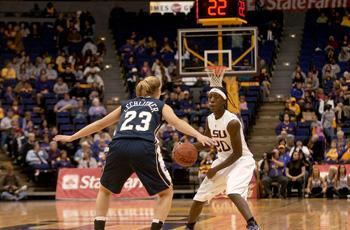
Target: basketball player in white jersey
232, 171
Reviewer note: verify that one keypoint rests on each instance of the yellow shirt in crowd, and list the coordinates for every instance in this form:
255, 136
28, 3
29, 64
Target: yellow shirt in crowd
2, 114
346, 155
332, 154
295, 108
8, 73
345, 21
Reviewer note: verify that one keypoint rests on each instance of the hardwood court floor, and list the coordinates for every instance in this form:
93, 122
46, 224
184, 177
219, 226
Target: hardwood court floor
290, 214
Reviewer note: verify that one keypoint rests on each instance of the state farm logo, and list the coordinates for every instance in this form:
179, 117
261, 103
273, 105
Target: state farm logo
74, 182
70, 182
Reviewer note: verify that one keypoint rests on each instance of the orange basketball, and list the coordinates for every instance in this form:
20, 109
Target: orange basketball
185, 154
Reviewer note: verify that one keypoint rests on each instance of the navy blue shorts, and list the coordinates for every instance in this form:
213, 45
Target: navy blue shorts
127, 156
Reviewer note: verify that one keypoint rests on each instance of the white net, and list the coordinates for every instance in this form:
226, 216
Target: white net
216, 74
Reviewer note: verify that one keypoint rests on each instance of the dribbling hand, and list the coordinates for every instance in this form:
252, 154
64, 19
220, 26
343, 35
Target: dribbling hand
63, 138
205, 141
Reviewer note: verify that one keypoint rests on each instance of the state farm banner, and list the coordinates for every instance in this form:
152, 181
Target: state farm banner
170, 7
84, 184
296, 5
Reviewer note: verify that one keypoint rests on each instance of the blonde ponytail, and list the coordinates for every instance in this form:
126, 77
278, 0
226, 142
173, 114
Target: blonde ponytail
148, 86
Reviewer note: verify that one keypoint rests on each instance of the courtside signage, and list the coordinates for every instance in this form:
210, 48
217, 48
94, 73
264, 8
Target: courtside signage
84, 184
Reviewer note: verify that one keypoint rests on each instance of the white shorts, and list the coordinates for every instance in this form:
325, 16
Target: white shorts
234, 179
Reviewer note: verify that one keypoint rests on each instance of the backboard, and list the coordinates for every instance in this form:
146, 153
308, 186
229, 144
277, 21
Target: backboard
233, 47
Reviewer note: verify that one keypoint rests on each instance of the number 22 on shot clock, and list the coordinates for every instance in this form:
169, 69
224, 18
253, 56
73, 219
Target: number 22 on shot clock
222, 10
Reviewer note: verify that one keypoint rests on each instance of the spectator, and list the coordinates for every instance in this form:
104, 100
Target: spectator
99, 147
87, 161
60, 87
104, 136
323, 102
313, 80
322, 19
332, 154
332, 43
345, 156
286, 127
94, 78
293, 106
343, 56
242, 103
145, 70
63, 160
6, 128
299, 146
51, 73
37, 159
53, 153
283, 154
85, 147
343, 182
272, 169
327, 121
89, 45
66, 104
97, 110
297, 91
8, 72
341, 141
298, 79
346, 21
13, 190
316, 187
295, 171
331, 180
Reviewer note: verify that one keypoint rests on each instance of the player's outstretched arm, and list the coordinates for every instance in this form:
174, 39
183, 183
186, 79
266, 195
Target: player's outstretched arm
107, 121
184, 127
234, 129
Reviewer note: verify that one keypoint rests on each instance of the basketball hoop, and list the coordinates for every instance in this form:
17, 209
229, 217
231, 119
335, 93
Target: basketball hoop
216, 74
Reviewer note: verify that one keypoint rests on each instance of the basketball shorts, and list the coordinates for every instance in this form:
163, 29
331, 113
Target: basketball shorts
126, 156
234, 179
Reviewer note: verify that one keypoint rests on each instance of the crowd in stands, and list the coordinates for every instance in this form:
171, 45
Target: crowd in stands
50, 83
315, 122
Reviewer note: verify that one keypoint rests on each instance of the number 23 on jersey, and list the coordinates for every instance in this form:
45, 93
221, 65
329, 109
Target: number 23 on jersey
128, 124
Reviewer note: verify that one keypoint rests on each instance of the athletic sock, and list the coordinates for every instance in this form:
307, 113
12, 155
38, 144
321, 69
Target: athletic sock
156, 224
190, 226
100, 222
251, 221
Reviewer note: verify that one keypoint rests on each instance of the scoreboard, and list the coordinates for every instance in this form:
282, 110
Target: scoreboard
221, 12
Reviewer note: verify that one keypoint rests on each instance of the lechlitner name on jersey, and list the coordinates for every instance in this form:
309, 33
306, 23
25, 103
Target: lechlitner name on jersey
153, 106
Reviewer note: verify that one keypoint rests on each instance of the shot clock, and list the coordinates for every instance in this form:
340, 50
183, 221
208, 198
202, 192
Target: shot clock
221, 12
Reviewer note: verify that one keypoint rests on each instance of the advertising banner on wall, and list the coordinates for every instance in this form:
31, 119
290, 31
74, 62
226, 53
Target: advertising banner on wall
84, 184
171, 7
296, 5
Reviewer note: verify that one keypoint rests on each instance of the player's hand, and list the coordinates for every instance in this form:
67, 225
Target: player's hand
211, 173
63, 138
205, 141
